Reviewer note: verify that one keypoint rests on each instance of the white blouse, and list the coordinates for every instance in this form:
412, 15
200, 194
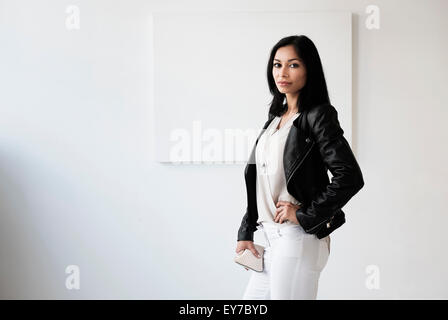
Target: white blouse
271, 181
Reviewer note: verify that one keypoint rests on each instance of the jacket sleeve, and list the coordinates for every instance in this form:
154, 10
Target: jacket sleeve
338, 157
246, 230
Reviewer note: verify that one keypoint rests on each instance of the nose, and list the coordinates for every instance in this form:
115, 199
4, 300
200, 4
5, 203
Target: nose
283, 72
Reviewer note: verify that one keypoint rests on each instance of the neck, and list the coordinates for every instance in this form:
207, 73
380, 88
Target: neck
291, 100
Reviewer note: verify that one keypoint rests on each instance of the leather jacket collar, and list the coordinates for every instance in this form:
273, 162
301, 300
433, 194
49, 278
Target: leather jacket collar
295, 149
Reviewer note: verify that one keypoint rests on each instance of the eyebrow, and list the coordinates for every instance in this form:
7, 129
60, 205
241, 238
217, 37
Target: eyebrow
289, 59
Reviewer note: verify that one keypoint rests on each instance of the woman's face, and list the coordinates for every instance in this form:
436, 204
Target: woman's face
289, 68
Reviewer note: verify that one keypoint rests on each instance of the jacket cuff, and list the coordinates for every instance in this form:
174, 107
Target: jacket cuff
244, 234
308, 222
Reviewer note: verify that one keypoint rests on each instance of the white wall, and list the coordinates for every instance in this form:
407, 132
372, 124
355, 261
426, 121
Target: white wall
220, 80
79, 184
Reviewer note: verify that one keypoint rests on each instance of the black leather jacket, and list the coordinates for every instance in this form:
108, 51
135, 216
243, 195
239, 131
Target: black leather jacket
314, 144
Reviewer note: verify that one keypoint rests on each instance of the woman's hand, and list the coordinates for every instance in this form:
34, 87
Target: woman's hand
246, 244
286, 211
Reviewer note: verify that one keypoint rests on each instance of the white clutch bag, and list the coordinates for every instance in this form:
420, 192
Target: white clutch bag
247, 259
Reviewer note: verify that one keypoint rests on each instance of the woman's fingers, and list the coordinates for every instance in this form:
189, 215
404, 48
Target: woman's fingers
280, 218
277, 214
282, 203
255, 252
280, 207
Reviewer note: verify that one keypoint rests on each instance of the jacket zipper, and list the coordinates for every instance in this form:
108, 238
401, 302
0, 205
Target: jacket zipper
328, 221
306, 154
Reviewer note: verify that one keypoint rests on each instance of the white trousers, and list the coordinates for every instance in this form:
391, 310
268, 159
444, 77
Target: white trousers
293, 261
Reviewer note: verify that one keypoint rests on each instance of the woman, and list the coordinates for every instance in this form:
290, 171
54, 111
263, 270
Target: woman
289, 194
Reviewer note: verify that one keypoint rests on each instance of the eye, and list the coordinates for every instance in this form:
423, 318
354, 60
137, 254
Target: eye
294, 64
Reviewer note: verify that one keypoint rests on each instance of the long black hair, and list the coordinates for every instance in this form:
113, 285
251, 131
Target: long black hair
315, 90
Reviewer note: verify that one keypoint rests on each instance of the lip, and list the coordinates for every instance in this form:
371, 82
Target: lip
282, 83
